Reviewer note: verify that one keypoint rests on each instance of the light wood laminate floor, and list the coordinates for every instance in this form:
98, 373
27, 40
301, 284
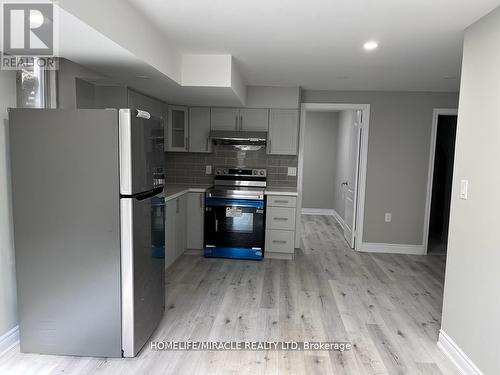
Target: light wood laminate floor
387, 306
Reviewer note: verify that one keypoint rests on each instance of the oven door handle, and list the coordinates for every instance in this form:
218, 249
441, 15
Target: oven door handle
239, 196
220, 202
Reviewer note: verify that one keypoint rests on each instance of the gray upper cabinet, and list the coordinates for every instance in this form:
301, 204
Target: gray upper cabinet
177, 134
199, 129
254, 119
283, 132
155, 107
225, 118
251, 119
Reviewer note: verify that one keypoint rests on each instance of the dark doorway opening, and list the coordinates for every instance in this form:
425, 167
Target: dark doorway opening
442, 184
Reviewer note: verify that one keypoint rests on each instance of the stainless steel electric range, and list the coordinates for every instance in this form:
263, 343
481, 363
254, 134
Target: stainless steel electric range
235, 214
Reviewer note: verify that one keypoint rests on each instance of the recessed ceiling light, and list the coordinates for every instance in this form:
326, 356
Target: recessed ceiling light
370, 45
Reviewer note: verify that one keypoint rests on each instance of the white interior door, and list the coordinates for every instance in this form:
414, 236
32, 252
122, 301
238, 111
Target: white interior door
351, 185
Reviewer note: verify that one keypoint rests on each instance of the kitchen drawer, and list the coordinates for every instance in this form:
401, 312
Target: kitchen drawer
281, 201
280, 241
280, 218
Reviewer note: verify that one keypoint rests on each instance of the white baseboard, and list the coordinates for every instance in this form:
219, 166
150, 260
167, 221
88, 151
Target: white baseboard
339, 219
318, 211
196, 252
9, 340
370, 247
461, 361
283, 256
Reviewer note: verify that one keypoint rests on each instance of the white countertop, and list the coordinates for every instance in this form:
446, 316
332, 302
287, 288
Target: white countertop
173, 191
280, 190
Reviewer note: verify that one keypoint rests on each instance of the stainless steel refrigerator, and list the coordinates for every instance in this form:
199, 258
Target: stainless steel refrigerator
86, 186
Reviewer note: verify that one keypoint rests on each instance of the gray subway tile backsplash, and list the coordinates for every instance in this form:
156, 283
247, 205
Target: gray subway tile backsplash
189, 168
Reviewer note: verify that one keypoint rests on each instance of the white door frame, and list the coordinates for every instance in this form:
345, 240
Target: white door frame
430, 175
363, 159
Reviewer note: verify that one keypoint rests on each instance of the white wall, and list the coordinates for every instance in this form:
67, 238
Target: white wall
320, 149
8, 304
471, 308
398, 157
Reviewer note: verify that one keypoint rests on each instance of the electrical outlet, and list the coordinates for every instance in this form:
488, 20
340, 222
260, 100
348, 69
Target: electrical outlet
388, 217
208, 169
292, 171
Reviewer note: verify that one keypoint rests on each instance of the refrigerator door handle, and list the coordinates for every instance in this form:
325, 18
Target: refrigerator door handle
145, 194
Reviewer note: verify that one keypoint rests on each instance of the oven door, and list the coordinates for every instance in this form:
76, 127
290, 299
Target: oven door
234, 223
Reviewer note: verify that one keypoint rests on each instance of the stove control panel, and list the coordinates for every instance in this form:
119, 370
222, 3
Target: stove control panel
241, 172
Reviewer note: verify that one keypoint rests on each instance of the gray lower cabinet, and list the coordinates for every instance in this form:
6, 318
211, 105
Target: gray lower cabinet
283, 136
170, 233
195, 220
199, 129
280, 226
184, 222
175, 229
181, 224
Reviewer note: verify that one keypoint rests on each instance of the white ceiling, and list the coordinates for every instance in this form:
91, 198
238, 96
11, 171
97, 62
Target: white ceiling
80, 43
317, 44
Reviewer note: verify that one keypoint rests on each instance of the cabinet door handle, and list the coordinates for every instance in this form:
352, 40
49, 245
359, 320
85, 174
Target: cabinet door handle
216, 225
280, 218
241, 122
270, 146
186, 146
207, 143
236, 122
201, 200
280, 201
279, 241
177, 206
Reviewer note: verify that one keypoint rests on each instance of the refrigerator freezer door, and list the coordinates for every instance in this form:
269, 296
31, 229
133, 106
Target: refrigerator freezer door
65, 188
143, 275
141, 152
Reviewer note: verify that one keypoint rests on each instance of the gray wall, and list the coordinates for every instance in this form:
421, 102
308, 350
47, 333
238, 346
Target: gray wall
85, 94
471, 300
398, 156
320, 148
8, 304
67, 75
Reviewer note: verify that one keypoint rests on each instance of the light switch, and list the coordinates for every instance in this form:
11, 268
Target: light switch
292, 171
208, 169
464, 189
388, 217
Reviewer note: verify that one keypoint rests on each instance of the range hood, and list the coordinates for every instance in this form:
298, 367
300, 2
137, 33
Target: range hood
238, 138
